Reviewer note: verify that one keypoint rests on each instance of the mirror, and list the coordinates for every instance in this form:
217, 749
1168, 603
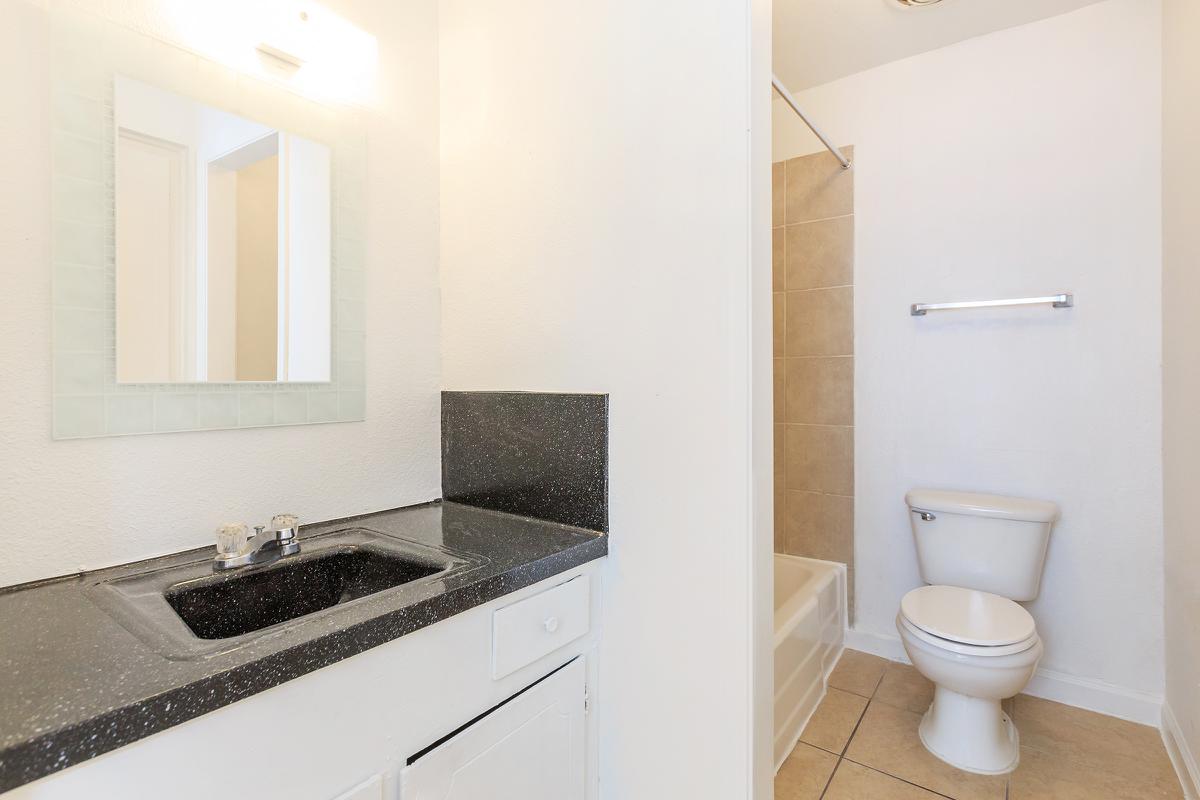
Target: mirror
209, 321
222, 245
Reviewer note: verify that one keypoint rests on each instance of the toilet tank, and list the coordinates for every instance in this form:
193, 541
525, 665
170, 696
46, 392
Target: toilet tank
988, 542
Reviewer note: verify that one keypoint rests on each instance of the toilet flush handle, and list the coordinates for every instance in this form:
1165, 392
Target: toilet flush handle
925, 515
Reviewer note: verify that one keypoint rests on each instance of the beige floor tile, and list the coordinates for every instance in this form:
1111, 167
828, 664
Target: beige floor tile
834, 720
1042, 776
856, 782
1133, 752
902, 686
804, 774
858, 673
887, 741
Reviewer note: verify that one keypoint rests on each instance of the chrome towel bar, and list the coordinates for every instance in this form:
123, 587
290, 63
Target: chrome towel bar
1064, 300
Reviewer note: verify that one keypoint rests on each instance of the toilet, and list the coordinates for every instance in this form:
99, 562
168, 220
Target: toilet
981, 555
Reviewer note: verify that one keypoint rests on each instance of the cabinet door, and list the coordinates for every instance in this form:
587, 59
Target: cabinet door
530, 748
370, 789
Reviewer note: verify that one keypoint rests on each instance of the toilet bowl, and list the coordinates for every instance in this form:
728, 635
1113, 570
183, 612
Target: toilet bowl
978, 649
981, 555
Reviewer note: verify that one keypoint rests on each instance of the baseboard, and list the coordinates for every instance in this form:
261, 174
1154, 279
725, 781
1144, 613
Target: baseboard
1093, 695
1181, 755
877, 644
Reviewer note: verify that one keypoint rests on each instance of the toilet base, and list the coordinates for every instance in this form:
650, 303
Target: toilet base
970, 733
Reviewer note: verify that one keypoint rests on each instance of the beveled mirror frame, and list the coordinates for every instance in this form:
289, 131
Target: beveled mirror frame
87, 51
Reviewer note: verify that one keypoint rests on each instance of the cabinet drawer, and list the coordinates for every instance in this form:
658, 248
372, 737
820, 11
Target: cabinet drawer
531, 628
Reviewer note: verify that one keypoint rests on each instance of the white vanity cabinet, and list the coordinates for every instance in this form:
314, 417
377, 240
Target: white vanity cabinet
489, 704
371, 789
529, 748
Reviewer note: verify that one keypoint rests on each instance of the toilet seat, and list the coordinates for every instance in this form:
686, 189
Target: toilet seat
967, 649
967, 621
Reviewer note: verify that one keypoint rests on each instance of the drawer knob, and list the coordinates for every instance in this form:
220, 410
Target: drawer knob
551, 624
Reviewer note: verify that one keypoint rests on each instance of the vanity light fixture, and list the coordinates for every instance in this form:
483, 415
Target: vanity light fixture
280, 56
301, 43
279, 61
914, 3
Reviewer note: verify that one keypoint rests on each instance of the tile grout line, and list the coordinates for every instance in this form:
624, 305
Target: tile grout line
829, 780
1149, 785
846, 746
843, 355
872, 700
831, 287
816, 424
787, 224
818, 491
898, 778
854, 733
885, 772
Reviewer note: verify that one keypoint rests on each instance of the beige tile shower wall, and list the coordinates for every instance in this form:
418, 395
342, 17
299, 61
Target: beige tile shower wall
813, 281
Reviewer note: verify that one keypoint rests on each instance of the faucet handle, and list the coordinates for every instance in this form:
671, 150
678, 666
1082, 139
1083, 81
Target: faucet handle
289, 524
232, 538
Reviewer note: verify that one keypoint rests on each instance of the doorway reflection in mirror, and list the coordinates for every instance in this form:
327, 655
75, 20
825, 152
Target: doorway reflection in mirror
222, 245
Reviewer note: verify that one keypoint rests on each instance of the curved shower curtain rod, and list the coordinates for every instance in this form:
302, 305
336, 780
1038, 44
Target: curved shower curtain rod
791, 101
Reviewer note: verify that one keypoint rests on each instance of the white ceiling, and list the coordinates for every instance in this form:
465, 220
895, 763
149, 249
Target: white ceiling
817, 41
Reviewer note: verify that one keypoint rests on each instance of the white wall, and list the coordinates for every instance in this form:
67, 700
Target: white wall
1019, 163
819, 41
89, 503
596, 237
1181, 367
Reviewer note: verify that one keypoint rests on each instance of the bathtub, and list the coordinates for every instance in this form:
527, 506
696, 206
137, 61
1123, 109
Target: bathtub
810, 621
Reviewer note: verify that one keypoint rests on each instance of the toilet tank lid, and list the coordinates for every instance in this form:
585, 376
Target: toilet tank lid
975, 504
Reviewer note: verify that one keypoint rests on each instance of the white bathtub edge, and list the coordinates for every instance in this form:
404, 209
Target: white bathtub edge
824, 686
831, 622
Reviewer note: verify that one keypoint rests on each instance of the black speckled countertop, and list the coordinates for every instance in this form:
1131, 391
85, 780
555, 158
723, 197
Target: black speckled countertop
75, 682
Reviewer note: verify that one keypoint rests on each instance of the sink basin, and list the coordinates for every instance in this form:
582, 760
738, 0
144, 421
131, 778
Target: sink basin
185, 610
222, 606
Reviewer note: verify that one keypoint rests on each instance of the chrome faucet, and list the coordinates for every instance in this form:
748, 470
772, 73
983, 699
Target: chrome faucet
236, 548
